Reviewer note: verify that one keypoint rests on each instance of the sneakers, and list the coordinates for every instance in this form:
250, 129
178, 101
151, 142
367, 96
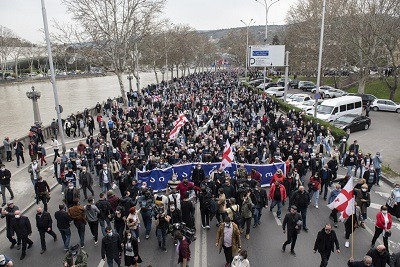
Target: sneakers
207, 227
95, 243
202, 226
316, 206
147, 236
42, 251
138, 240
347, 244
247, 236
335, 225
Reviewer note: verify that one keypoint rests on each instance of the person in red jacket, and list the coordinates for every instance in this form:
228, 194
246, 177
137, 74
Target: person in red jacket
278, 176
184, 186
255, 175
383, 223
277, 195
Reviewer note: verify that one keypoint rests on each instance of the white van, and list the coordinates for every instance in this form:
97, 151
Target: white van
331, 109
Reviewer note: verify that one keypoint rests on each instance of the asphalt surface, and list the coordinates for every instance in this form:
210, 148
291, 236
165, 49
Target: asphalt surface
263, 247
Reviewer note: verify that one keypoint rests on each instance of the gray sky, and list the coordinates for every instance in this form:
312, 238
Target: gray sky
24, 17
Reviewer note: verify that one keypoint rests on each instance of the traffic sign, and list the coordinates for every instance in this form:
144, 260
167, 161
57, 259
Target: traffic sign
267, 56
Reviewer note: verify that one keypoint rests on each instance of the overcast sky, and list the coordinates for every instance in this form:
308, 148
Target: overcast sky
24, 17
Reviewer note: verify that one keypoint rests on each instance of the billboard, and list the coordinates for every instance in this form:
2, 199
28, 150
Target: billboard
267, 56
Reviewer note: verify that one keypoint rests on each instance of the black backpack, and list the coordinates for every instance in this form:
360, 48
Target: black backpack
237, 218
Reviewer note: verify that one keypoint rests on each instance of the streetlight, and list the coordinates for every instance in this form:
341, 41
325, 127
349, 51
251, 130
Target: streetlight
247, 43
34, 96
321, 45
267, 7
53, 76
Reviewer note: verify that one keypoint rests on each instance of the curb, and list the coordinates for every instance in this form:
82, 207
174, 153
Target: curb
388, 180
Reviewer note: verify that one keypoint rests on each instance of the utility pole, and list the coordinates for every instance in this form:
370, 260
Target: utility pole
247, 44
321, 46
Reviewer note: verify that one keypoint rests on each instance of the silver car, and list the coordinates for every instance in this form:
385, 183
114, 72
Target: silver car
385, 105
332, 93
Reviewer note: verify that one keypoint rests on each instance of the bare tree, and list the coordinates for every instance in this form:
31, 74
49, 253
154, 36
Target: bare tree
115, 27
7, 42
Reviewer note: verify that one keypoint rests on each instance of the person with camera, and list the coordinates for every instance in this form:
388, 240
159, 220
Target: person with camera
162, 226
383, 224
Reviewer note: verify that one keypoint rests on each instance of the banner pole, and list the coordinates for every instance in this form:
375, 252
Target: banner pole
352, 230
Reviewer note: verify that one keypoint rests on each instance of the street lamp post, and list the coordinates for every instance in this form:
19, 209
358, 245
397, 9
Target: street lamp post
267, 7
34, 96
321, 45
247, 44
53, 76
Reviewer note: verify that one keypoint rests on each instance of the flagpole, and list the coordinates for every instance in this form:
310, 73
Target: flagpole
352, 230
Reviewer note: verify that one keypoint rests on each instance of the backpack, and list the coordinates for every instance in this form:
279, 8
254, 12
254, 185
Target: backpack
236, 217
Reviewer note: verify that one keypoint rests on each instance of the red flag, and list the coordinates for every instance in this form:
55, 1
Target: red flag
227, 156
177, 126
344, 202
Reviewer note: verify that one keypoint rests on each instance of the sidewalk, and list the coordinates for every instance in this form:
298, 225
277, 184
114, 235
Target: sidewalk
24, 196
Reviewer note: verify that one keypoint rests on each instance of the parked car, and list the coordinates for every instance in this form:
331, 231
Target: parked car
332, 93
267, 85
352, 123
306, 85
385, 105
277, 91
257, 82
322, 89
298, 99
291, 83
307, 105
366, 98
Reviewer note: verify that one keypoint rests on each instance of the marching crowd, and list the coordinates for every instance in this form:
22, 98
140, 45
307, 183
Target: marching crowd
138, 138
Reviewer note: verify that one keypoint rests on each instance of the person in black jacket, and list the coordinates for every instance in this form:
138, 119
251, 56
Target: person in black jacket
5, 178
8, 213
106, 213
293, 222
111, 247
131, 249
63, 225
198, 175
326, 177
86, 182
260, 201
301, 199
44, 224
205, 197
325, 244
21, 226
380, 256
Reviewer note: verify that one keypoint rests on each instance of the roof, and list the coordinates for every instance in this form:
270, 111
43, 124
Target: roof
341, 99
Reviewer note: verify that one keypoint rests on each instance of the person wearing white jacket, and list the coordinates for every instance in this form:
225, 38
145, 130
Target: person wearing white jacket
241, 260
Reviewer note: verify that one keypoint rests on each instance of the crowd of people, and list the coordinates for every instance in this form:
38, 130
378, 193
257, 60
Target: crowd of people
217, 109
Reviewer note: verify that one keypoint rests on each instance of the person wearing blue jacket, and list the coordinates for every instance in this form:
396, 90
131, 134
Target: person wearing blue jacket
334, 193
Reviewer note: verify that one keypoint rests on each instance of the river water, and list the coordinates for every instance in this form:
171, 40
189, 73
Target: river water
74, 95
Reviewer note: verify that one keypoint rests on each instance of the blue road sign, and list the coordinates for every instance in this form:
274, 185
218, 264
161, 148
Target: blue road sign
262, 53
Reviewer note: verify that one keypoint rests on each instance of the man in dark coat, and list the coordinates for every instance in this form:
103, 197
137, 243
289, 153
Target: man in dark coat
380, 256
111, 247
21, 226
198, 175
44, 224
86, 182
293, 222
325, 243
301, 199
8, 213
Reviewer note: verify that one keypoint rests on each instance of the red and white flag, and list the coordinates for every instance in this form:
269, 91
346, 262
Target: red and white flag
344, 202
227, 156
178, 124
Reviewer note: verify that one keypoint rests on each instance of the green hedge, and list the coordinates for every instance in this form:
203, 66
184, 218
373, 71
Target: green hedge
336, 132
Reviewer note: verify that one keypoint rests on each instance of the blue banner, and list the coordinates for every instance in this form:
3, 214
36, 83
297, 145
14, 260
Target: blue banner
158, 179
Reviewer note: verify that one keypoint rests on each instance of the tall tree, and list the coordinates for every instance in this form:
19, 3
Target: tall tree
116, 27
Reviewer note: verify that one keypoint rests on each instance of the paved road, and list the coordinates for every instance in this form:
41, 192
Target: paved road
263, 246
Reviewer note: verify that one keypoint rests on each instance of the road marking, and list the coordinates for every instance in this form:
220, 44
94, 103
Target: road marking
382, 194
197, 242
278, 221
203, 247
101, 263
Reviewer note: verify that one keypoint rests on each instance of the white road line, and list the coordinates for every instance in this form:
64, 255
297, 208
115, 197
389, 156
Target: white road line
278, 221
203, 248
382, 194
197, 247
101, 263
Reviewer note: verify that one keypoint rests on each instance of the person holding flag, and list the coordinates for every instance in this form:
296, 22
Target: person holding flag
345, 204
178, 124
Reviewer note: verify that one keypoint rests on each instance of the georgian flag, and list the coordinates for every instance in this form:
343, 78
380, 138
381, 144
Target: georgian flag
227, 156
178, 124
344, 202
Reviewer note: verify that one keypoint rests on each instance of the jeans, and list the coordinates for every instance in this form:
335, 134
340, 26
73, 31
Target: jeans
279, 203
349, 168
324, 187
42, 233
106, 187
315, 196
303, 212
3, 192
246, 221
110, 261
161, 237
103, 225
81, 233
66, 237
257, 215
378, 175
147, 220
94, 229
358, 167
